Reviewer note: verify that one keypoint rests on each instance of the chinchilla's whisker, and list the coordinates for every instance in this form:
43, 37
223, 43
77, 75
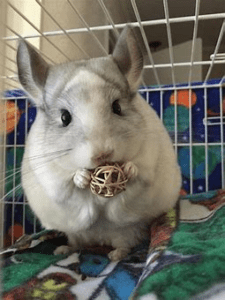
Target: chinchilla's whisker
17, 169
15, 172
9, 171
172, 134
39, 165
49, 154
45, 162
10, 177
11, 191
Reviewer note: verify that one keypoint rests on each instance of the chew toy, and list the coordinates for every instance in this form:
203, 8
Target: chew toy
108, 181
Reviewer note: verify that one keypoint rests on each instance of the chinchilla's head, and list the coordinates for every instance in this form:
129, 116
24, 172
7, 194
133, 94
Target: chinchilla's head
88, 108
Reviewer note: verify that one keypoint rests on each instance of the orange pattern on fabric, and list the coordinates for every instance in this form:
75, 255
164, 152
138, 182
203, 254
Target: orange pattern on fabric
182, 98
10, 116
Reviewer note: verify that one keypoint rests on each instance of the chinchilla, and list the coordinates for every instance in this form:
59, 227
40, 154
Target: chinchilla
89, 113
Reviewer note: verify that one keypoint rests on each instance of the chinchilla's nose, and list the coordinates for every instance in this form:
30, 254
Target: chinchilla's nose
102, 157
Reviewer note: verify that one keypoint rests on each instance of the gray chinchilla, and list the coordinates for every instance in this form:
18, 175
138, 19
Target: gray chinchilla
88, 113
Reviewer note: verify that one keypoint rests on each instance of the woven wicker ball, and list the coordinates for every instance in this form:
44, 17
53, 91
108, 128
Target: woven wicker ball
108, 181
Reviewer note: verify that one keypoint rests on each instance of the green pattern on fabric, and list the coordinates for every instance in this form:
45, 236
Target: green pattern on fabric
183, 280
205, 237
182, 118
29, 264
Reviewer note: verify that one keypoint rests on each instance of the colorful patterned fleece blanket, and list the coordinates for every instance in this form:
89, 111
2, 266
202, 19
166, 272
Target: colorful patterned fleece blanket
185, 259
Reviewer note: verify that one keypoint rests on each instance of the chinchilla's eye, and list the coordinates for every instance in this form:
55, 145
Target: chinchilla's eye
116, 108
65, 117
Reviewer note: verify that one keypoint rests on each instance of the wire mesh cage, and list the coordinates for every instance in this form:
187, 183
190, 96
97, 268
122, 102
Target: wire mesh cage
183, 80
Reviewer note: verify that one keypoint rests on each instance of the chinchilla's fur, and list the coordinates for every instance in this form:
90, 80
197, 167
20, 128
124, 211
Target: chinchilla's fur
89, 113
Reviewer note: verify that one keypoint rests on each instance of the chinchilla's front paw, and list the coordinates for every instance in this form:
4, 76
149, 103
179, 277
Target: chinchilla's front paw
130, 170
82, 178
62, 250
118, 254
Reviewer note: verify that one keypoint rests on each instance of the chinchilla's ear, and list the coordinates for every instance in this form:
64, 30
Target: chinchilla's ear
32, 71
128, 54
